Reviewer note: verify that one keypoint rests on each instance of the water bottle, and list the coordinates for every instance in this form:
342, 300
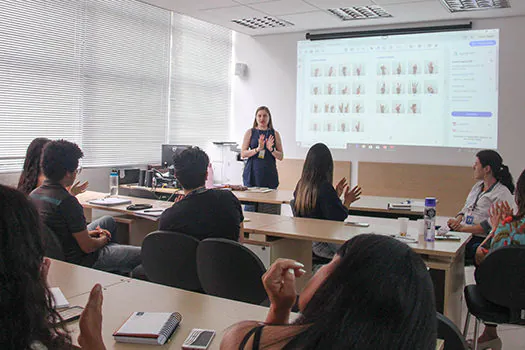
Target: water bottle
113, 183
430, 219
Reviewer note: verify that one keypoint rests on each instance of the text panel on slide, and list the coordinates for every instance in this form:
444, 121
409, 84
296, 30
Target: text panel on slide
430, 89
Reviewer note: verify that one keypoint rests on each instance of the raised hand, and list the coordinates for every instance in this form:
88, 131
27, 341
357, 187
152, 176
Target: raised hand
358, 108
399, 69
279, 283
91, 321
383, 69
352, 195
414, 88
398, 88
341, 186
431, 67
398, 108
260, 146
383, 89
358, 90
347, 108
345, 90
414, 69
78, 188
341, 108
358, 71
270, 142
330, 89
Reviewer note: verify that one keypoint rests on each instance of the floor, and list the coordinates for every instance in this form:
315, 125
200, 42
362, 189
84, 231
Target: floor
513, 337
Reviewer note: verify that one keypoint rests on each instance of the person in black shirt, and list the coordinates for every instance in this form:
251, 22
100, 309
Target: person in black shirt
61, 212
315, 197
201, 213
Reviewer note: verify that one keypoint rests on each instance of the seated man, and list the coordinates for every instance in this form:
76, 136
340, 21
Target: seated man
201, 213
86, 245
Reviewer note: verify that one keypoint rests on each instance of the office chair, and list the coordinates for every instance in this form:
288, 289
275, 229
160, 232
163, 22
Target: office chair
229, 270
450, 333
499, 295
169, 258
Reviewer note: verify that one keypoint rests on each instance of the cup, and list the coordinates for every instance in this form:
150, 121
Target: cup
403, 226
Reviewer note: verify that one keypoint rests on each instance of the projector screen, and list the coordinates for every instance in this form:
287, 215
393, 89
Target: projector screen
432, 89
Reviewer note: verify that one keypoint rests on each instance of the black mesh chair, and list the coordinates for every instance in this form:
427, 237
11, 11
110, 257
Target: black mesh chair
499, 295
52, 245
169, 258
229, 270
450, 333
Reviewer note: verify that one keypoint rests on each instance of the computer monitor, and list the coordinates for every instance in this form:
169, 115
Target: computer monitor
168, 151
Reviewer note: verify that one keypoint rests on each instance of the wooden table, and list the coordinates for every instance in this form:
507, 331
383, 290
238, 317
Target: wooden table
197, 310
378, 207
76, 280
444, 258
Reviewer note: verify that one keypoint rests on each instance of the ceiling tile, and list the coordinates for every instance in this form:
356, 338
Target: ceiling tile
389, 2
247, 2
284, 7
327, 4
230, 13
307, 20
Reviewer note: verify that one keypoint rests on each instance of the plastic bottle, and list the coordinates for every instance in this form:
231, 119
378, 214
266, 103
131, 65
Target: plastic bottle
430, 219
113, 183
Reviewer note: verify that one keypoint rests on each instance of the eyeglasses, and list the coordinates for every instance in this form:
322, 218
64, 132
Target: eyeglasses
79, 169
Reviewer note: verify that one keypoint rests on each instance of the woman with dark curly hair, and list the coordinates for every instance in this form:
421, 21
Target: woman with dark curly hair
27, 318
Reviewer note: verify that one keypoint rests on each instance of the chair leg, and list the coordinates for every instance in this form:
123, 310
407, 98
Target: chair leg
476, 334
467, 323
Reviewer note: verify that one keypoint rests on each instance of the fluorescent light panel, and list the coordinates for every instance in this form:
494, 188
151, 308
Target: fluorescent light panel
262, 22
474, 5
359, 12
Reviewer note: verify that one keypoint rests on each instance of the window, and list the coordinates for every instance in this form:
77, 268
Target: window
97, 72
200, 82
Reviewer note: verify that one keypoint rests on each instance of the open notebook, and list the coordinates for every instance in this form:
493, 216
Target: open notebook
148, 328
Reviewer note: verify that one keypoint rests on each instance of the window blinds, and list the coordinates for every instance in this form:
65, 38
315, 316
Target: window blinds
200, 82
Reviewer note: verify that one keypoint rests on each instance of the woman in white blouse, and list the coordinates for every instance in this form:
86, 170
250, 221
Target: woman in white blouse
494, 185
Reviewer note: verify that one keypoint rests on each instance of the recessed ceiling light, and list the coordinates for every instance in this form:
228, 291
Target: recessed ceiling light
474, 5
262, 22
359, 12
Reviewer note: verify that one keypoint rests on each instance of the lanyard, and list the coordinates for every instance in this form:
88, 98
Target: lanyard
481, 193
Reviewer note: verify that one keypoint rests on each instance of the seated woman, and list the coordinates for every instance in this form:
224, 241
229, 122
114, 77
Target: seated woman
494, 185
315, 196
507, 229
32, 176
376, 293
28, 319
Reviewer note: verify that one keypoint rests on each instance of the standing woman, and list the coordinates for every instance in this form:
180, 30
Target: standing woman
261, 146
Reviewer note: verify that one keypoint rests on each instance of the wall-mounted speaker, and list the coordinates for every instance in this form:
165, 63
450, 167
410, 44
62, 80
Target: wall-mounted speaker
241, 69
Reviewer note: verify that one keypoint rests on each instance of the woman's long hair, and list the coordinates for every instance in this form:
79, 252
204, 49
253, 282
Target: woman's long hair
379, 296
26, 312
29, 177
499, 170
267, 110
520, 196
318, 168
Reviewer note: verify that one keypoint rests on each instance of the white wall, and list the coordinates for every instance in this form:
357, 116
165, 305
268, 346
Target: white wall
271, 81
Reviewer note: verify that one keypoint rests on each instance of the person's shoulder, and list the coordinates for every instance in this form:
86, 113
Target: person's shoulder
235, 334
224, 195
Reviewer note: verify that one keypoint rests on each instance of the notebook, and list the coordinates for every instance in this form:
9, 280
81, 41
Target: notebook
60, 300
109, 201
148, 328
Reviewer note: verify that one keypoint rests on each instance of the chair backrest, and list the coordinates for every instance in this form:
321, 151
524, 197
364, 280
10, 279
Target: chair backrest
229, 270
501, 277
448, 331
169, 258
52, 245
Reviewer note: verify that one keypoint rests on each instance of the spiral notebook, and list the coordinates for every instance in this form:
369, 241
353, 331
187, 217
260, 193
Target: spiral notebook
148, 328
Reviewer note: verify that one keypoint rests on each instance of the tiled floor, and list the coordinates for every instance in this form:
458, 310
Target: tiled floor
513, 337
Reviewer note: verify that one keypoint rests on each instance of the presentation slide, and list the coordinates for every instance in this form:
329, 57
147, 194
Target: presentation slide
432, 89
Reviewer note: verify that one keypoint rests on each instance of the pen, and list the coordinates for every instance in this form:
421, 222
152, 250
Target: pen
152, 210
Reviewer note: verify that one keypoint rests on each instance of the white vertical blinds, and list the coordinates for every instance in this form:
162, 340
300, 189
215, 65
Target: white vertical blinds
97, 72
125, 82
39, 75
200, 82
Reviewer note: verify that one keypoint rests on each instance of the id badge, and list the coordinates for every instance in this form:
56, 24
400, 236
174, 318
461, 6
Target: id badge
469, 219
261, 154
